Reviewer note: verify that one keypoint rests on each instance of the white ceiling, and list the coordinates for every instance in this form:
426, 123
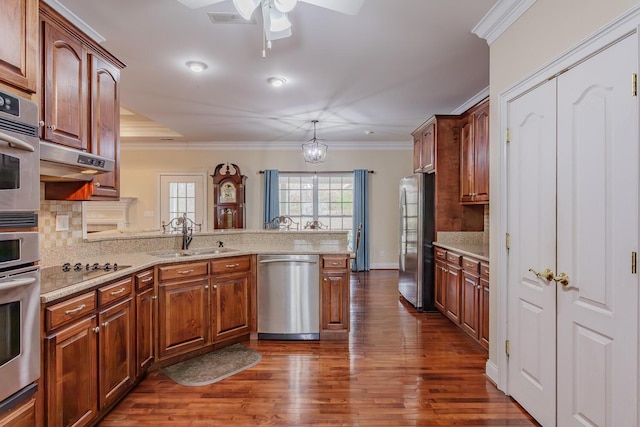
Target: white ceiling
385, 70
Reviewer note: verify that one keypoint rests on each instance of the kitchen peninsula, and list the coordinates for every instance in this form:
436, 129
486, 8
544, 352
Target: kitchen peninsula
163, 305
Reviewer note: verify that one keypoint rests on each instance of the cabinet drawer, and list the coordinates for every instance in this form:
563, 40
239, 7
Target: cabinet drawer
441, 254
64, 312
144, 280
454, 258
484, 270
335, 261
470, 265
182, 271
115, 291
230, 265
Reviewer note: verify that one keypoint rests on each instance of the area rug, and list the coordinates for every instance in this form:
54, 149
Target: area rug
215, 366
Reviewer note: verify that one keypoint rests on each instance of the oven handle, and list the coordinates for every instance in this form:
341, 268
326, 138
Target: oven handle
16, 283
16, 143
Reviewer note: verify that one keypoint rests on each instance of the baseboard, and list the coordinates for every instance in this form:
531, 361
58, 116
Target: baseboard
491, 370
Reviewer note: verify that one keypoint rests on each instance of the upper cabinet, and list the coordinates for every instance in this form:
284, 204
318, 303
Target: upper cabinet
423, 147
79, 103
19, 44
474, 155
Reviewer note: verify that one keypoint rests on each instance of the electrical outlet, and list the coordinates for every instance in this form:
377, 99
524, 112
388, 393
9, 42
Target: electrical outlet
62, 222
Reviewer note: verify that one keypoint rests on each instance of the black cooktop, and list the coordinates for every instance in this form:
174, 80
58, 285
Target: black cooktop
53, 278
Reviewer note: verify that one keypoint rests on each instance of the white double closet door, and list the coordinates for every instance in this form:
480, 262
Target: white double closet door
572, 208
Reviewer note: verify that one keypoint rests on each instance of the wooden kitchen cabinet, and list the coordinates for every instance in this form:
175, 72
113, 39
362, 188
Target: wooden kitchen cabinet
440, 279
424, 147
79, 104
334, 297
230, 297
470, 320
483, 305
474, 155
19, 44
23, 415
145, 326
453, 290
88, 353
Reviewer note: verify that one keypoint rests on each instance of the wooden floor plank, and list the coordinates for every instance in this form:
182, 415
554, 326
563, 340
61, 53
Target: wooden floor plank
399, 368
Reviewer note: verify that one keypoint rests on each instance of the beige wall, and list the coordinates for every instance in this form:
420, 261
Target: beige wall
547, 29
140, 168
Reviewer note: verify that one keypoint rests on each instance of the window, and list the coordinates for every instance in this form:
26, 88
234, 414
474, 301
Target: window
327, 198
180, 194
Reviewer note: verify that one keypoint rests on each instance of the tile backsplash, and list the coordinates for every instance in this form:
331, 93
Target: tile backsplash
49, 210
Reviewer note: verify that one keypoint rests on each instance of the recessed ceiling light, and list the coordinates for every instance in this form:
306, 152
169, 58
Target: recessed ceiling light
276, 81
196, 66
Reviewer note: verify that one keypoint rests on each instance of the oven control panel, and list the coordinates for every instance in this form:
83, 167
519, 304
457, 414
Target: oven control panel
9, 104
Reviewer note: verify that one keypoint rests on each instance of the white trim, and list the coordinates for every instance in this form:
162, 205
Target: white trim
501, 16
267, 146
472, 101
205, 181
75, 20
491, 370
620, 27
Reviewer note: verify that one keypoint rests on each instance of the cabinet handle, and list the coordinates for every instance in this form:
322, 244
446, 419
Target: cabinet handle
335, 263
105, 324
119, 291
75, 310
232, 265
154, 297
185, 272
148, 279
96, 329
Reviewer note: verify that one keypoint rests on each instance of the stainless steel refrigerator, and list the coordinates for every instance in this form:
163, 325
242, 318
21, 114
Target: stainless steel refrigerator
417, 233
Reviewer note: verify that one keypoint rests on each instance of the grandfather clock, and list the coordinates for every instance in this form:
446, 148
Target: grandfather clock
228, 197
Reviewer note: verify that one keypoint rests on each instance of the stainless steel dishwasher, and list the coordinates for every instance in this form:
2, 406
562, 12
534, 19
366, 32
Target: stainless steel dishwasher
288, 297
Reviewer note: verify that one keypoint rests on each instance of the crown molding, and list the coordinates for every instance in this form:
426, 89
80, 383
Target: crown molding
472, 101
499, 18
75, 20
265, 146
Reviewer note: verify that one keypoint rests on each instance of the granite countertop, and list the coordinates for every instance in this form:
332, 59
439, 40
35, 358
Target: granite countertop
479, 251
51, 291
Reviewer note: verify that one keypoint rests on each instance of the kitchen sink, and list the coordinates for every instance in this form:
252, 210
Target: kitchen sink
191, 252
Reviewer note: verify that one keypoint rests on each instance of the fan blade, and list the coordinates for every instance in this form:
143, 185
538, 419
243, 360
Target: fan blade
277, 35
246, 7
350, 7
279, 21
195, 4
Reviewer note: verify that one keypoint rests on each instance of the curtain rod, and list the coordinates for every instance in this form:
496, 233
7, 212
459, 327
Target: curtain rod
314, 172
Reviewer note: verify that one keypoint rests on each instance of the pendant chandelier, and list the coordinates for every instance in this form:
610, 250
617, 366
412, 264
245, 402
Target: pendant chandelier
314, 151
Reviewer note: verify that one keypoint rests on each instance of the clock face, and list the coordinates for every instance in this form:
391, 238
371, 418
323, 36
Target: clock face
228, 193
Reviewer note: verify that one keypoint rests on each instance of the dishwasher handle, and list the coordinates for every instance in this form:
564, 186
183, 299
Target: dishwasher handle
269, 261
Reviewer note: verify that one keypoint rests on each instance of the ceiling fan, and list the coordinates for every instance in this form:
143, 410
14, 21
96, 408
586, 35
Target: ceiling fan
274, 13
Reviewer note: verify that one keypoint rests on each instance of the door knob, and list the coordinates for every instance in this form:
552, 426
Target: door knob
562, 278
546, 274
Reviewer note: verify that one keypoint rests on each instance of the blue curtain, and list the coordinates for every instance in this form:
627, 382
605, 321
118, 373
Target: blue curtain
271, 195
361, 216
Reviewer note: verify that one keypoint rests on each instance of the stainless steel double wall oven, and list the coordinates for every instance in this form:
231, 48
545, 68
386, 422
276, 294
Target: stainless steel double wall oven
19, 249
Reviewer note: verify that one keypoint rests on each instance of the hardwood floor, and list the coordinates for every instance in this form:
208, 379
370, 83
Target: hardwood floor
399, 368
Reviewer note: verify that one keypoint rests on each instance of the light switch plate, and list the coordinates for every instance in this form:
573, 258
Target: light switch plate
62, 222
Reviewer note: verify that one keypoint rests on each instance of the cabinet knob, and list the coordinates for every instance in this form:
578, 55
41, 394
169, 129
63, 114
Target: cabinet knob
51, 127
41, 123
215, 286
206, 286
97, 184
105, 324
154, 297
96, 329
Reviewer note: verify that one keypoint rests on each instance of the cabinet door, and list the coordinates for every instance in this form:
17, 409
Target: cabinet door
183, 316
481, 154
469, 316
19, 46
452, 298
116, 356
428, 148
334, 301
21, 416
230, 305
71, 375
483, 316
64, 103
144, 331
440, 285
467, 171
417, 149
105, 124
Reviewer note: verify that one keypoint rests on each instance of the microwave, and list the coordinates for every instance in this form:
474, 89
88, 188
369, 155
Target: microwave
19, 155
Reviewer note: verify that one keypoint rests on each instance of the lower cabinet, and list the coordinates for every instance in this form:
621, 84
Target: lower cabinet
89, 353
145, 324
462, 292
23, 415
229, 305
334, 297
